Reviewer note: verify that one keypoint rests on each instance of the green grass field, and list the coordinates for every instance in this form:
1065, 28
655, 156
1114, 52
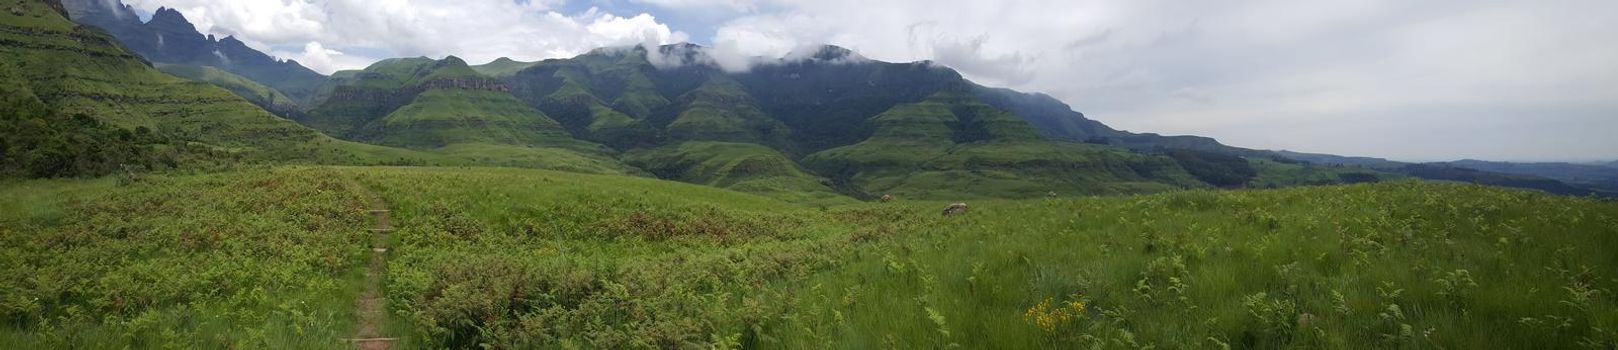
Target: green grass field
743, 167
516, 258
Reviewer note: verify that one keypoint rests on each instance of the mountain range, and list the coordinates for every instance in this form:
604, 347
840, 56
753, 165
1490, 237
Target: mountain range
822, 126
1559, 178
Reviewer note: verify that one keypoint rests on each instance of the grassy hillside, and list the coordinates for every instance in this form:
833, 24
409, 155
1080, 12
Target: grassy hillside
720, 110
951, 146
1596, 177
515, 258
259, 259
1275, 174
743, 167
915, 130
1349, 267
446, 108
502, 67
77, 70
263, 96
352, 100
1469, 172
441, 117
600, 96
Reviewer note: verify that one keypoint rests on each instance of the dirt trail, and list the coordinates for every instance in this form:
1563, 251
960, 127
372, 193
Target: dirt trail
370, 306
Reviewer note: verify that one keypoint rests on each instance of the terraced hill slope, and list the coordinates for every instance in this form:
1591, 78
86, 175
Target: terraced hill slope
950, 145
445, 106
673, 110
745, 167
265, 97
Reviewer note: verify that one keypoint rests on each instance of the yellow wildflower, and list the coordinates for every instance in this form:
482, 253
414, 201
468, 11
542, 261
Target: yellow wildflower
1049, 319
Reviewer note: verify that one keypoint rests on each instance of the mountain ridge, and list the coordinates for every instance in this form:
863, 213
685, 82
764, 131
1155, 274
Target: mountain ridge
675, 112
168, 37
1590, 180
676, 105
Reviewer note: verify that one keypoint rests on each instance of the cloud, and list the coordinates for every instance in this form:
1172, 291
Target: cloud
704, 5
319, 58
1010, 69
477, 30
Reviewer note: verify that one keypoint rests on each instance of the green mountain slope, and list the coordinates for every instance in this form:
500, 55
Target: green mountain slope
79, 70
265, 97
745, 167
444, 106
602, 96
502, 67
952, 146
645, 98
721, 110
1461, 172
440, 117
859, 114
1595, 177
360, 98
873, 127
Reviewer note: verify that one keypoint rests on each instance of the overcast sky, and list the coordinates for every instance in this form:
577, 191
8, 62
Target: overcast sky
1408, 80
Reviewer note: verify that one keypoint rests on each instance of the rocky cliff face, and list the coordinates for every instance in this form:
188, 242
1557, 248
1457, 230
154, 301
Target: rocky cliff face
57, 5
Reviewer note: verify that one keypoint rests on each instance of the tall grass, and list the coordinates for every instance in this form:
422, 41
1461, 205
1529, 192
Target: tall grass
232, 260
512, 258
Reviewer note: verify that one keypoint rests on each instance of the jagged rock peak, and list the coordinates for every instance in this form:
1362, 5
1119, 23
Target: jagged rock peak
105, 12
165, 13
682, 46
57, 6
171, 18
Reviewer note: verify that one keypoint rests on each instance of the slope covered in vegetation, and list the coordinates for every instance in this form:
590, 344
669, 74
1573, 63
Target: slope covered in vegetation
952, 146
744, 167
251, 259
263, 96
502, 67
517, 258
55, 71
838, 116
446, 107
